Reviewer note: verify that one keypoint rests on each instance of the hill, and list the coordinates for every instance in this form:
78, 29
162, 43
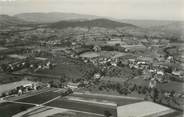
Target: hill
171, 29
6, 20
175, 29
147, 23
52, 17
105, 23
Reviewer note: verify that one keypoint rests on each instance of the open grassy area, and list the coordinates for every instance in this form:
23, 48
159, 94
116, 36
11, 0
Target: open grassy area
82, 106
73, 114
69, 68
9, 109
7, 78
113, 54
88, 106
40, 98
118, 100
175, 114
90, 54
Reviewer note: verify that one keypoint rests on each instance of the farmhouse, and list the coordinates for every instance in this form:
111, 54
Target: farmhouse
97, 76
72, 85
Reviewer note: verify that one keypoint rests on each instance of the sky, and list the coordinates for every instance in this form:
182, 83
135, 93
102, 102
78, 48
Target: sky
119, 9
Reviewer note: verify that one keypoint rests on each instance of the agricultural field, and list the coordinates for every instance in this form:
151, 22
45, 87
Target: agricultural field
107, 54
89, 54
8, 109
40, 98
82, 106
92, 103
7, 78
73, 114
69, 68
110, 98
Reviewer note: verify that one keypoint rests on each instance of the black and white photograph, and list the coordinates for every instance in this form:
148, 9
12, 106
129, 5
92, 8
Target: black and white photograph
91, 58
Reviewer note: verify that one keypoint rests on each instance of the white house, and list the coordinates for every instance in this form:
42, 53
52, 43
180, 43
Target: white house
72, 85
97, 76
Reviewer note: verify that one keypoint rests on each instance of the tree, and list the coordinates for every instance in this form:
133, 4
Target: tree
107, 113
3, 95
22, 108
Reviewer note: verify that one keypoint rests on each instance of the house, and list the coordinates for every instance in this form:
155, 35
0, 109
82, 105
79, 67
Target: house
152, 83
97, 76
28, 85
178, 73
113, 63
160, 72
131, 61
20, 92
145, 58
96, 48
72, 85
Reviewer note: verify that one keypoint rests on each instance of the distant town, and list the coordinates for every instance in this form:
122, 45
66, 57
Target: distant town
94, 67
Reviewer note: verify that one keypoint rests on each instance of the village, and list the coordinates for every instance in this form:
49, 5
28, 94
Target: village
89, 71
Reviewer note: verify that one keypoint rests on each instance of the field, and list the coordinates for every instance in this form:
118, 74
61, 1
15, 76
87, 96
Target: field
89, 54
9, 109
73, 114
69, 68
7, 78
40, 98
82, 106
113, 54
118, 100
3, 48
92, 103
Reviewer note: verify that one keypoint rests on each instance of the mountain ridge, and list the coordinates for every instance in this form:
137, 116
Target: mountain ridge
100, 22
52, 17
